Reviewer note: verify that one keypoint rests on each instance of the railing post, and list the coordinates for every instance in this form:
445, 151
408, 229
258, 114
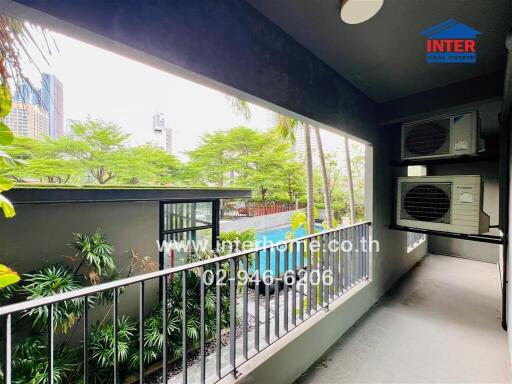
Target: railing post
116, 336
86, 339
141, 332
232, 315
50, 344
7, 348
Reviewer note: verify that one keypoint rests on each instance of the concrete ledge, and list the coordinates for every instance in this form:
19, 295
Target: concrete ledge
287, 358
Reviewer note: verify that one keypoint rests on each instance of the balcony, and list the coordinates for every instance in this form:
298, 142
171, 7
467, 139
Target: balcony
292, 284
440, 324
396, 314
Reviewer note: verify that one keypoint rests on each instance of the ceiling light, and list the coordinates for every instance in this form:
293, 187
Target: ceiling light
357, 11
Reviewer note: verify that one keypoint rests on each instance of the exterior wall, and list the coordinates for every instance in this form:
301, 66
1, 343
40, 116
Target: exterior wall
40, 235
259, 222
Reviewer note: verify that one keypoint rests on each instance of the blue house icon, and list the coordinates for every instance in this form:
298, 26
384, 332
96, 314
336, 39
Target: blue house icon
450, 29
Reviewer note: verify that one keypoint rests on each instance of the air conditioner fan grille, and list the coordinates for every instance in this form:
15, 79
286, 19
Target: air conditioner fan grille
426, 202
426, 139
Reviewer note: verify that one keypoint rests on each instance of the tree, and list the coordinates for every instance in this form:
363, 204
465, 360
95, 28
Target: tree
6, 161
15, 37
41, 161
146, 164
94, 143
287, 127
96, 149
240, 107
267, 167
326, 189
222, 157
350, 182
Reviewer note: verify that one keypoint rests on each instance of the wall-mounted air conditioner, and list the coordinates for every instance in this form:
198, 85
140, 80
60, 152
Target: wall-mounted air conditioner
447, 136
442, 203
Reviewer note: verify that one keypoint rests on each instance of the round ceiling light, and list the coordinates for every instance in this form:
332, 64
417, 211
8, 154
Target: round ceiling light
358, 11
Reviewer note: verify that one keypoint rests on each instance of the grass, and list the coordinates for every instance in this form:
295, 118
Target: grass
116, 186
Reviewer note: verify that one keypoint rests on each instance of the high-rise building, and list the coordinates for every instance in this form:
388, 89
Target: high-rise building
52, 100
162, 136
27, 94
158, 123
27, 120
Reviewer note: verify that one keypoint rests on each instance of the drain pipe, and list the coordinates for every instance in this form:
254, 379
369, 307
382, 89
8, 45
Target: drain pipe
505, 177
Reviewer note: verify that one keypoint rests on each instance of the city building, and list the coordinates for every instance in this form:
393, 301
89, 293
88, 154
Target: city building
162, 135
27, 94
28, 120
52, 100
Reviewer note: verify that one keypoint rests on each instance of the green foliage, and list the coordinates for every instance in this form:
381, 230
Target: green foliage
6, 161
101, 344
94, 254
234, 241
248, 158
5, 103
30, 362
95, 149
299, 219
7, 276
47, 282
6, 135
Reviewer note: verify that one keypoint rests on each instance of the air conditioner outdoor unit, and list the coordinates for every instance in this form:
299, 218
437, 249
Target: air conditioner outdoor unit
446, 136
442, 203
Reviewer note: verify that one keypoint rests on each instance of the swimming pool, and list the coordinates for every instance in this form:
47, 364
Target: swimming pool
272, 236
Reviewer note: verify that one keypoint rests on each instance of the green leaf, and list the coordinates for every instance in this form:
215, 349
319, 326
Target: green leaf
298, 220
7, 207
6, 135
5, 184
7, 276
5, 100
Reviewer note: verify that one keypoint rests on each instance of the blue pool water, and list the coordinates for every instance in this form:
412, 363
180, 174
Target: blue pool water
273, 236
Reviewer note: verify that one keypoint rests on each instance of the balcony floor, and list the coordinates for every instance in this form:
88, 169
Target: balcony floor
439, 324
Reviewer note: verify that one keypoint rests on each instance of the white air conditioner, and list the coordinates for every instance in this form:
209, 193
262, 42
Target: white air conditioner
442, 203
446, 136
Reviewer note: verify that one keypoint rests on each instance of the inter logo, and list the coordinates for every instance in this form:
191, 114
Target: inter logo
451, 42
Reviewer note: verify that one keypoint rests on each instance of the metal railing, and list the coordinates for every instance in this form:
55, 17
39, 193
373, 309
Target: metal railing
263, 293
414, 239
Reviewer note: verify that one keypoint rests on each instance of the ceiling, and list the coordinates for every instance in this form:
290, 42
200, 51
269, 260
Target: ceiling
385, 56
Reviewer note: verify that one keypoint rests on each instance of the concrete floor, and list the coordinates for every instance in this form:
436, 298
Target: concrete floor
441, 324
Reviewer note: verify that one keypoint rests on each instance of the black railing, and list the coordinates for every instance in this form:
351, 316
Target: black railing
258, 296
414, 239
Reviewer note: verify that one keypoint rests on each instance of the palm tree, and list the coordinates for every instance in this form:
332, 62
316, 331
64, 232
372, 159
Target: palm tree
287, 128
325, 177
240, 107
350, 183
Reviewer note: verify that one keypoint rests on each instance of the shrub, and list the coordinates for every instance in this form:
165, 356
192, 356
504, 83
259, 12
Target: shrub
47, 282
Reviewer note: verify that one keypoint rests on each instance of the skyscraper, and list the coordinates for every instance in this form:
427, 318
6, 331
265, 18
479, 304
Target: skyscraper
162, 136
27, 120
52, 100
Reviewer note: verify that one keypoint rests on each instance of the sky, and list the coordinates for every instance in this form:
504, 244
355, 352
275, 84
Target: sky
105, 85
